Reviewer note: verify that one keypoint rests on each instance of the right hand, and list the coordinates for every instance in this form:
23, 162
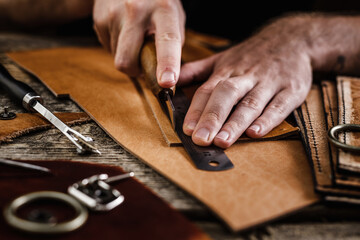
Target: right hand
122, 25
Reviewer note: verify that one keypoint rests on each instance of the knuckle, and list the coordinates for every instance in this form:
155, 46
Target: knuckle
204, 89
251, 103
169, 37
212, 116
166, 4
133, 7
168, 61
123, 65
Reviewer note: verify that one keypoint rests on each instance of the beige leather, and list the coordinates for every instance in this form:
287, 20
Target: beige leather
270, 178
330, 100
29, 122
349, 112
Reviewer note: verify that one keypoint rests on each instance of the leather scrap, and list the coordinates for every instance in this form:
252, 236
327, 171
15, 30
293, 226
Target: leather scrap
270, 178
26, 123
142, 215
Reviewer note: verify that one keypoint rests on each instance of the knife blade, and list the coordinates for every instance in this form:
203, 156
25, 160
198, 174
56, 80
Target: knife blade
175, 105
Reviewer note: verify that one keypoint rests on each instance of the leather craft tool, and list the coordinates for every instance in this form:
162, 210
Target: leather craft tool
175, 106
24, 165
25, 95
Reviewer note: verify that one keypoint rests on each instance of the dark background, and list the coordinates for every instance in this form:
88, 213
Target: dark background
237, 20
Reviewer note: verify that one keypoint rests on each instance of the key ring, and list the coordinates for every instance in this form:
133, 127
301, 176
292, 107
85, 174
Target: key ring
333, 132
45, 228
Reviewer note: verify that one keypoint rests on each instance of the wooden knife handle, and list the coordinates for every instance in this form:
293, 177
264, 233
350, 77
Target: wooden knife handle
148, 63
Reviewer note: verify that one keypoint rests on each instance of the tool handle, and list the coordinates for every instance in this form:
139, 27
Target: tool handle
148, 63
15, 88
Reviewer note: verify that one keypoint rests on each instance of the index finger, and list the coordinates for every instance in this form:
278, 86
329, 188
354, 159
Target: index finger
169, 33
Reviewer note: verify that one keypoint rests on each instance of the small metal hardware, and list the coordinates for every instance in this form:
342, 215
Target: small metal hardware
333, 132
10, 214
96, 193
6, 115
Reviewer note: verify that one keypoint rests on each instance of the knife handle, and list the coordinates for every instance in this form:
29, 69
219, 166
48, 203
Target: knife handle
148, 63
19, 91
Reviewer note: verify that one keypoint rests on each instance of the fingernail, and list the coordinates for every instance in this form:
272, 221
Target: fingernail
224, 135
255, 128
191, 125
167, 77
203, 134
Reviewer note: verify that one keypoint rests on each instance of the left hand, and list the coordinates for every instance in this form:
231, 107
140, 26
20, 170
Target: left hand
265, 78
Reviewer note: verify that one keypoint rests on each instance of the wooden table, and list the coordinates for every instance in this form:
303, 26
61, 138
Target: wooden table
320, 221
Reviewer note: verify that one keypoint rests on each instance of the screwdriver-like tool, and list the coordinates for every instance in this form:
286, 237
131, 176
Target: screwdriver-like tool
25, 95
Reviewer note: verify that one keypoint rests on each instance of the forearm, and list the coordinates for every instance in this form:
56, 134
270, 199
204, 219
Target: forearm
34, 13
331, 42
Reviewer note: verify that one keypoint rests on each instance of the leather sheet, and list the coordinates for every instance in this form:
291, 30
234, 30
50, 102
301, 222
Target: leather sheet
142, 215
270, 178
29, 122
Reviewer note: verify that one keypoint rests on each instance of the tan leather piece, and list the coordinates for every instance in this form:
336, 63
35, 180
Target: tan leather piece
330, 98
269, 179
349, 112
312, 123
315, 133
29, 122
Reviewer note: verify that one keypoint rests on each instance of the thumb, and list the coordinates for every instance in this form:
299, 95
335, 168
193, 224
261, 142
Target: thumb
197, 71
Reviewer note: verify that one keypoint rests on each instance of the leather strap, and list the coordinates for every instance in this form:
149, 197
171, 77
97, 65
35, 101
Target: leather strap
349, 113
330, 99
313, 126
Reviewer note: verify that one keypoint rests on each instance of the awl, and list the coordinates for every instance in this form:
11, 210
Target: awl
175, 106
25, 95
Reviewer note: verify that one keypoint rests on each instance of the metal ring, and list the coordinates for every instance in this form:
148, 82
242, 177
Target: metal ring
332, 136
45, 228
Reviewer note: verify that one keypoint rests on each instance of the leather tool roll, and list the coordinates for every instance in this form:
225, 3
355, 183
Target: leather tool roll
142, 215
270, 178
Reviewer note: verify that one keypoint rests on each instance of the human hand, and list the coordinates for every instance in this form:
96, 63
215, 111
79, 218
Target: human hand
122, 25
265, 78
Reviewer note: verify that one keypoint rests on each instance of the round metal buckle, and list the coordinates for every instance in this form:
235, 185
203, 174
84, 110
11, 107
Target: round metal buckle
333, 132
45, 228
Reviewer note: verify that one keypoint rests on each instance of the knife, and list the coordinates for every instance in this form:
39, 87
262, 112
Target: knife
175, 105
31, 101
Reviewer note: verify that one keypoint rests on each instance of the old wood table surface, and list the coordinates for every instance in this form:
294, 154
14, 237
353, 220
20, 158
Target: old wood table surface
320, 221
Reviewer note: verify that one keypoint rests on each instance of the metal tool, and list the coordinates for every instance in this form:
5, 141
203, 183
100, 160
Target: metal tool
96, 193
26, 96
24, 165
175, 106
